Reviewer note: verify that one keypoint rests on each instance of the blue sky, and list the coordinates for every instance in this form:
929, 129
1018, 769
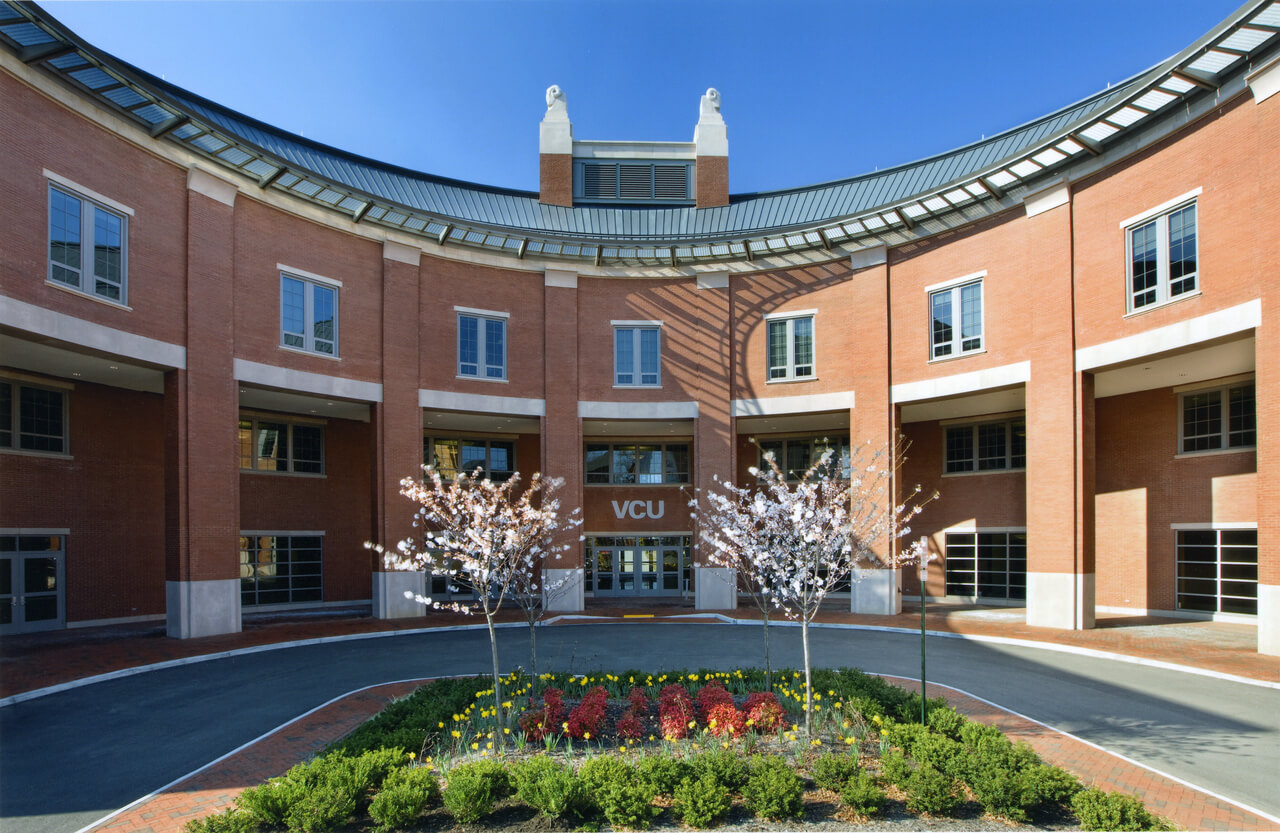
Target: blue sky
812, 91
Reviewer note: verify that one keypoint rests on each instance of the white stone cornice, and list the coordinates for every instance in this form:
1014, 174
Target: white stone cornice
481, 403
45, 322
212, 186
304, 381
638, 410
1213, 325
962, 383
804, 404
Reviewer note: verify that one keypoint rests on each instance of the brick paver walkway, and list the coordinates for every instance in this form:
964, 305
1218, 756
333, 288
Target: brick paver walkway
216, 787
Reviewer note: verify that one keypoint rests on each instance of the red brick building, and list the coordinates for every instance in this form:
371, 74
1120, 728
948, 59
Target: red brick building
208, 410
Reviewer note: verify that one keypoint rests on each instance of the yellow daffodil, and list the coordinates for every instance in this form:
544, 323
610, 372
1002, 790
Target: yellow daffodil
475, 746
413, 755
489, 745
456, 733
440, 725
884, 733
586, 736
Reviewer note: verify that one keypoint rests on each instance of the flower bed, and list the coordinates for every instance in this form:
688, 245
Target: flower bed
694, 749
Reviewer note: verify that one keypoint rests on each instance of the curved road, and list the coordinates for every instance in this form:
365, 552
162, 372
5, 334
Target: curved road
68, 759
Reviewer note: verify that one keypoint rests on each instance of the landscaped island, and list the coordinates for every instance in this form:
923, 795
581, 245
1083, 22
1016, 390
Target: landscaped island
635, 750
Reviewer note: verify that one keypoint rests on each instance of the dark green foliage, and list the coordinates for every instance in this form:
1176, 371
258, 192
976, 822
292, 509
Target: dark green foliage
931, 791
471, 790
862, 795
405, 795
832, 769
774, 790
324, 807
662, 773
942, 753
1050, 784
598, 773
551, 788
407, 724
627, 805
322, 793
701, 802
905, 736
228, 821
895, 768
269, 803
947, 721
723, 765
1098, 810
972, 733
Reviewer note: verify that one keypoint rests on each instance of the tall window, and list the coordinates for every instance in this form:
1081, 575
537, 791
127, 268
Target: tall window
1223, 417
448, 455
482, 346
32, 418
636, 355
1218, 570
1162, 258
956, 316
281, 569
308, 316
87, 245
992, 565
268, 444
987, 446
789, 348
625, 463
795, 455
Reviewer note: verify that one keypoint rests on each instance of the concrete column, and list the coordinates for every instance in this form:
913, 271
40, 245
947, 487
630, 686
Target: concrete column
562, 428
1060, 444
398, 429
201, 408
715, 588
711, 149
555, 151
872, 427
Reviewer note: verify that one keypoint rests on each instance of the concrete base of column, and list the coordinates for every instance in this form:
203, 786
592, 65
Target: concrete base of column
389, 589
875, 592
1269, 619
1060, 600
566, 590
202, 608
715, 588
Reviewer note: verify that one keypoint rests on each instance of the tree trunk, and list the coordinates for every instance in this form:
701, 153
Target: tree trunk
533, 652
808, 678
768, 666
497, 681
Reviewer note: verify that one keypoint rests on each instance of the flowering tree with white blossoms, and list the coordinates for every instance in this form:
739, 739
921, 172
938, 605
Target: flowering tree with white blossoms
492, 536
797, 542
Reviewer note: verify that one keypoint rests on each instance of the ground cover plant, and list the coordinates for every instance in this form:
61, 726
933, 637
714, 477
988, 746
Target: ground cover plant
694, 749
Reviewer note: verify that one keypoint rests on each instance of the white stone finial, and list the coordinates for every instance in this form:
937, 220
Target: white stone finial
710, 136
556, 131
711, 103
557, 104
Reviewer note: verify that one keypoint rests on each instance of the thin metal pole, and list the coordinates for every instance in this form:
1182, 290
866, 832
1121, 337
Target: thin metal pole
924, 696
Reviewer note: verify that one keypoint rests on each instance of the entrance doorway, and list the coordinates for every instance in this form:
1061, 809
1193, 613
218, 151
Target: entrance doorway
31, 579
643, 565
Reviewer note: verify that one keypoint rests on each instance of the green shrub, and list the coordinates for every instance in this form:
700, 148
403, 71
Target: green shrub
947, 721
1051, 784
405, 795
906, 736
269, 803
931, 791
723, 765
895, 768
973, 732
832, 769
862, 795
531, 769
627, 804
323, 808
409, 724
662, 773
551, 788
774, 790
600, 772
701, 802
228, 821
470, 791
942, 753
1098, 810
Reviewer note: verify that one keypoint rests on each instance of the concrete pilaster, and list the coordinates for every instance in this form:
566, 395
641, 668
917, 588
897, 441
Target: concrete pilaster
561, 426
713, 445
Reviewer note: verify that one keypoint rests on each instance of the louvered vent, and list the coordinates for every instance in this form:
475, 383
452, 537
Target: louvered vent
634, 181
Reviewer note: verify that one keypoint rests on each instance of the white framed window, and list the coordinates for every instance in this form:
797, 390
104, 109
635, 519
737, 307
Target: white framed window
1162, 257
275, 444
794, 455
637, 354
308, 315
642, 463
986, 446
789, 346
88, 245
482, 344
1218, 570
281, 568
1218, 418
955, 316
32, 418
986, 564
450, 455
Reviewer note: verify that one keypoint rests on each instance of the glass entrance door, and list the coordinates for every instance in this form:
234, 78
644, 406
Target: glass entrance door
31, 583
652, 565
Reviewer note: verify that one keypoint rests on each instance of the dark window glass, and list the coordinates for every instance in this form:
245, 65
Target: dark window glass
40, 421
1242, 427
1217, 570
308, 449
960, 448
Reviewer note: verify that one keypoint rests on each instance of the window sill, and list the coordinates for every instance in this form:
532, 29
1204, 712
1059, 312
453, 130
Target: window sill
790, 380
637, 387
80, 293
964, 355
983, 472
1214, 452
302, 352
26, 452
1151, 307
304, 475
679, 485
482, 379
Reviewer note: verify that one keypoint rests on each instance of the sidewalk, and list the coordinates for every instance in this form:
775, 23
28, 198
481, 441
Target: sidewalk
35, 661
